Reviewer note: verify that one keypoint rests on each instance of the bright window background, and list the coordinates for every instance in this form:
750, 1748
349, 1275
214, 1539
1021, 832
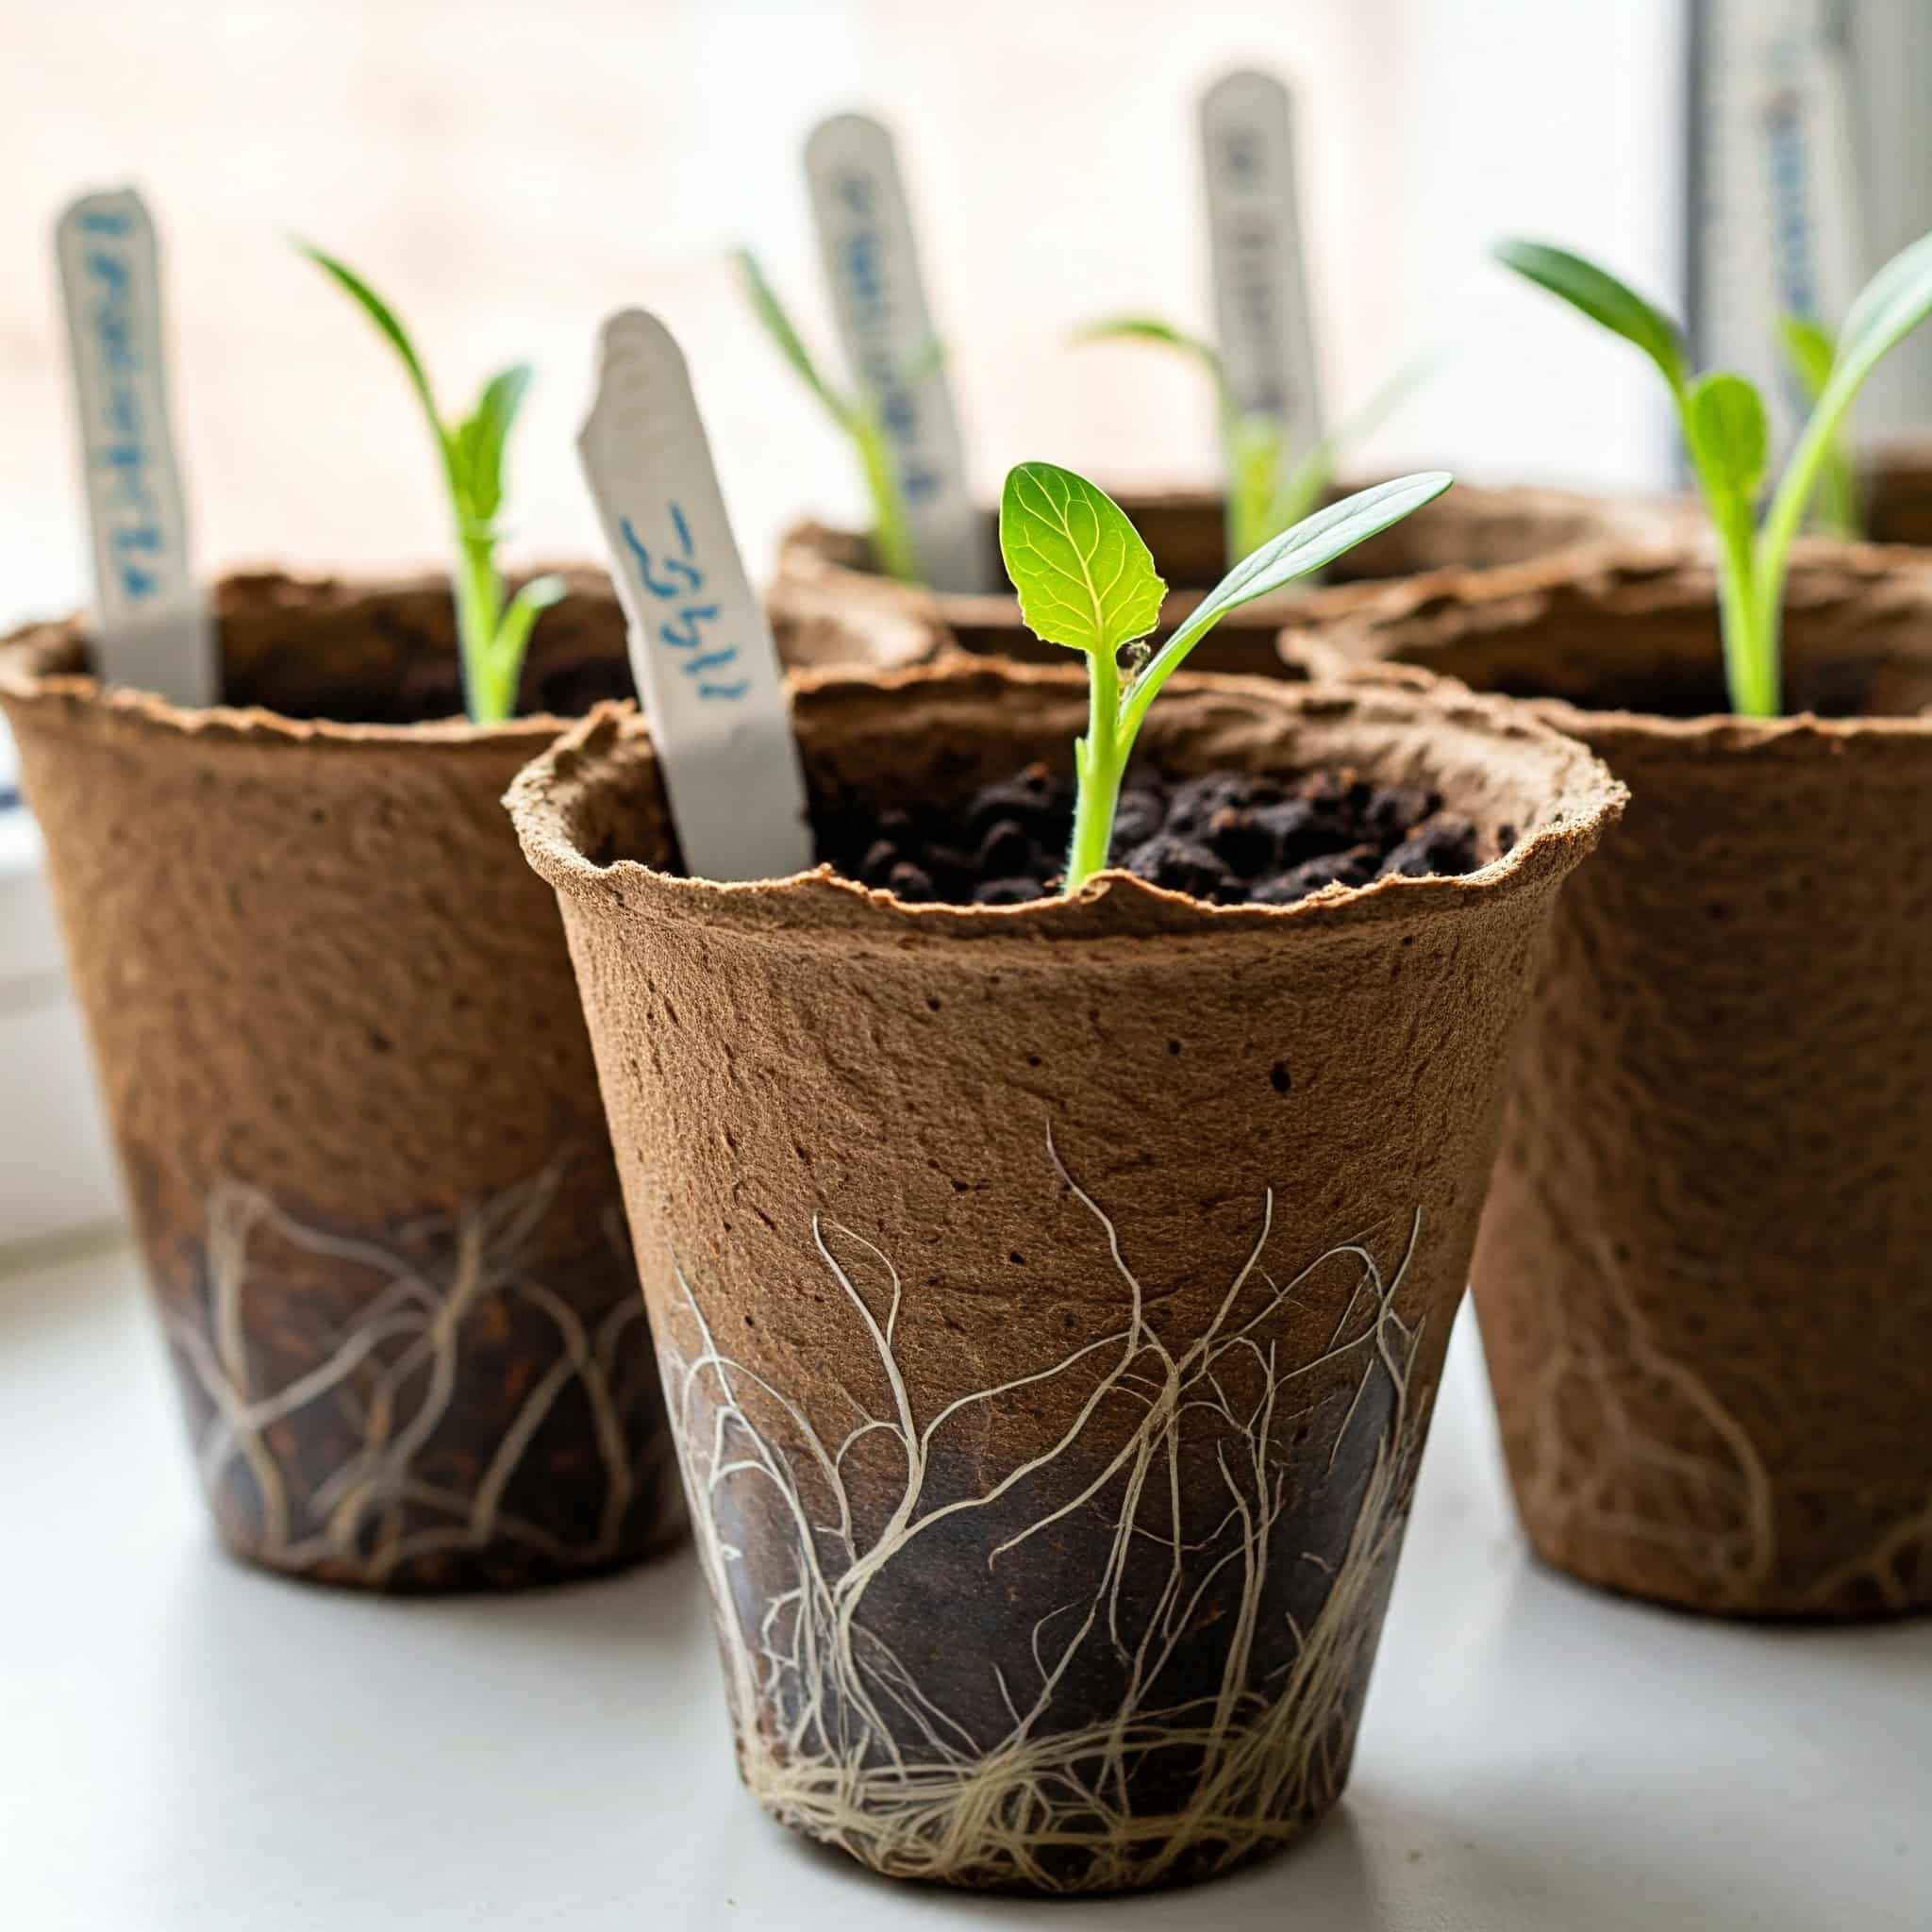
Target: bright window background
508, 174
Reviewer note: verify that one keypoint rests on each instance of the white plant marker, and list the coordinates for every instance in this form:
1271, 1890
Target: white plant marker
1776, 220
700, 650
865, 226
1261, 308
152, 626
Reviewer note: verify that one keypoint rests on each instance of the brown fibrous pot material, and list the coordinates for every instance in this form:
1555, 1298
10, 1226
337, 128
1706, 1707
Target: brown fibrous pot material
1895, 483
821, 569
1705, 1277
334, 1023
1051, 1298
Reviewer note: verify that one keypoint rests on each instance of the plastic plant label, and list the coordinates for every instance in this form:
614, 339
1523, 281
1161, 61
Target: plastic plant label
1253, 229
1775, 217
865, 237
700, 650
152, 630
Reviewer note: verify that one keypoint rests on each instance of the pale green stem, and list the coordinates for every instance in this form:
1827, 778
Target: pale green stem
1099, 759
892, 542
491, 694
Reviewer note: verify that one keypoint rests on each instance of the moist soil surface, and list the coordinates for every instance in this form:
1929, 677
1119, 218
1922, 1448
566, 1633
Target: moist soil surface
1233, 839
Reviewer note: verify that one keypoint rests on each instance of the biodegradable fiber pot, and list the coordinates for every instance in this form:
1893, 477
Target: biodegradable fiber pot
1896, 484
821, 569
1705, 1276
1051, 1298
356, 1107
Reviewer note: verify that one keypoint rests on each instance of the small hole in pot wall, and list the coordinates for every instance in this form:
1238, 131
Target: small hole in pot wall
932, 1004
1017, 1259
1032, 1060
1174, 1046
1279, 1076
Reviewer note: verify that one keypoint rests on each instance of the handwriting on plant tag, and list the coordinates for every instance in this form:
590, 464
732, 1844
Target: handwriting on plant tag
864, 224
153, 627
701, 649
1260, 283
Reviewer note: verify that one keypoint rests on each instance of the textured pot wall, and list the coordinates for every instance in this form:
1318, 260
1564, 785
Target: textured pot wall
336, 1027
821, 569
1051, 1300
1705, 1278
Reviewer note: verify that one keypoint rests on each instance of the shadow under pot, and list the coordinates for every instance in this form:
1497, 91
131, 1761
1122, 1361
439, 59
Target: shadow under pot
356, 1110
824, 571
1705, 1276
1051, 1298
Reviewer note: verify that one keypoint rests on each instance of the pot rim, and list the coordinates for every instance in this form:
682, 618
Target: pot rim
810, 547
1513, 597
587, 759
31, 656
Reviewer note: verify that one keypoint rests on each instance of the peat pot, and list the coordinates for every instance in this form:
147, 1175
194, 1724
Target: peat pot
1705, 1277
343, 1060
821, 569
1051, 1298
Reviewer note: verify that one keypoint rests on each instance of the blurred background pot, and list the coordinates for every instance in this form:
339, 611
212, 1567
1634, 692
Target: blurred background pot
1705, 1277
1051, 1298
823, 569
334, 1020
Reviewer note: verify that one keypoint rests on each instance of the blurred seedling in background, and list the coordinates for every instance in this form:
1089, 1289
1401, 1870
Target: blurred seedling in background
1728, 437
853, 414
493, 630
1086, 580
1812, 350
1267, 485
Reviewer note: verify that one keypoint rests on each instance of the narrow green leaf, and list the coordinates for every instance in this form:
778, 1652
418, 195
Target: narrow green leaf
481, 439
1312, 545
1730, 440
1602, 298
1256, 456
1084, 576
384, 318
1810, 351
1892, 304
777, 324
1150, 328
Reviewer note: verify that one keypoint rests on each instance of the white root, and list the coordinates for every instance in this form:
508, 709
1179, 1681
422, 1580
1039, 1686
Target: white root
1714, 1510
390, 1378
838, 1735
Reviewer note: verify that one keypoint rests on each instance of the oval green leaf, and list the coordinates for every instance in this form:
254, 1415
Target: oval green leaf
1084, 576
1729, 437
1602, 298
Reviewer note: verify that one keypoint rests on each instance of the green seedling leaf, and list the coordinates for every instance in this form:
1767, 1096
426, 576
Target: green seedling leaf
1723, 424
479, 442
379, 313
1810, 351
1729, 437
769, 311
492, 635
1084, 576
891, 533
1086, 580
1602, 298
1150, 328
1312, 545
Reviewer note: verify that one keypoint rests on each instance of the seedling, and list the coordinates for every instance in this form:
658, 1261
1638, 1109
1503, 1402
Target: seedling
492, 631
1810, 350
1086, 580
853, 414
1268, 486
1726, 433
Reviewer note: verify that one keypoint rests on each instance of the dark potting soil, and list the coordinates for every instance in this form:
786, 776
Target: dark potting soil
1230, 838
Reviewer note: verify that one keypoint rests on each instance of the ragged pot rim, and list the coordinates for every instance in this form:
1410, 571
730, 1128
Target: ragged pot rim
608, 761
43, 665
1430, 624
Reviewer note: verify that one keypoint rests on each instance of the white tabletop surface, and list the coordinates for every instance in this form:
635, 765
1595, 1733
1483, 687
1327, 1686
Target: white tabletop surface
187, 1744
